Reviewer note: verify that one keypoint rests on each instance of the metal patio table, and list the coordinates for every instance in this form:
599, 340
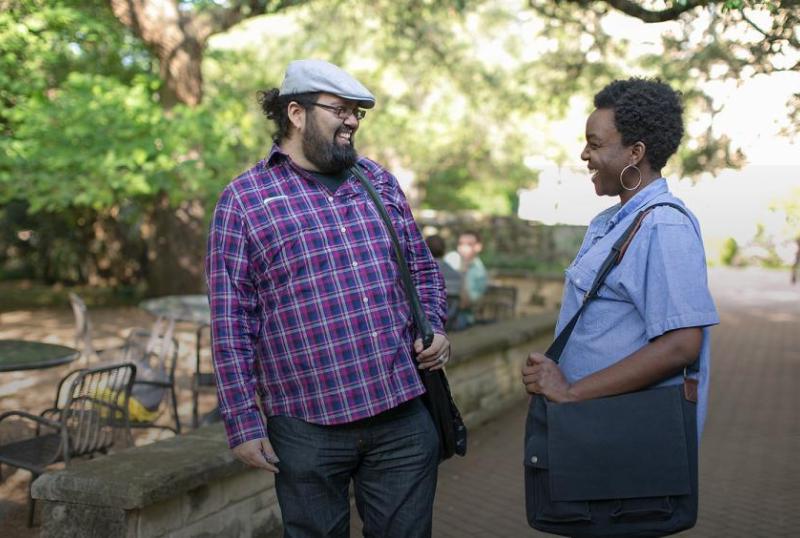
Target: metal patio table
27, 355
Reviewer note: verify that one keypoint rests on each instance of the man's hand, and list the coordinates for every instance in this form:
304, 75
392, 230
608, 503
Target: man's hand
541, 375
436, 356
257, 453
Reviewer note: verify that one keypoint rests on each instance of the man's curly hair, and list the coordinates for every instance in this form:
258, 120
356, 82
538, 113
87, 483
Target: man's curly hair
275, 108
645, 110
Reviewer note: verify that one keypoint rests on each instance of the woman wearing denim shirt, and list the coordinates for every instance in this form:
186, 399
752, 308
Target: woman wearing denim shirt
652, 316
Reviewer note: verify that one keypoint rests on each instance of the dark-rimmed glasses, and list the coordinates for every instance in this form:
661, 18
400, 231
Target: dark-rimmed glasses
342, 112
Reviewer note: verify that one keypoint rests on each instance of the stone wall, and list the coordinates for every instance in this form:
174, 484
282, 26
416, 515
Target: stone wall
535, 292
190, 485
508, 241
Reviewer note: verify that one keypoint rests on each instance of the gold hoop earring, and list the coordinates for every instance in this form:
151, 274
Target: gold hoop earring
638, 183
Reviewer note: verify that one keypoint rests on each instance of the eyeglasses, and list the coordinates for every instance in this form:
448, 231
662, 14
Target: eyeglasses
343, 112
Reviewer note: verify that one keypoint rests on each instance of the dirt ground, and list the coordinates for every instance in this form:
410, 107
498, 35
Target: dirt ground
34, 390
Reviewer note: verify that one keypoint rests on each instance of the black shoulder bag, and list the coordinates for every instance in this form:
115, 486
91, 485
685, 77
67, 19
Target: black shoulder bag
437, 397
618, 466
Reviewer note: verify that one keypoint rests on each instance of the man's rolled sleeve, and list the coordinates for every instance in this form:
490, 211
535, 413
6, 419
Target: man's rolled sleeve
234, 322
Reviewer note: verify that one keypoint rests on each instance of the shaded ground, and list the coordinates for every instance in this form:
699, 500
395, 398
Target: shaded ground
749, 467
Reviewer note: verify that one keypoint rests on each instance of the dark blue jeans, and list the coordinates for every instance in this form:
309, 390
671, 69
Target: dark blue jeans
391, 458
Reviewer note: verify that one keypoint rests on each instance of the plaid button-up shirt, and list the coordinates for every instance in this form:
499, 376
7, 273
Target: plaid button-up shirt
308, 312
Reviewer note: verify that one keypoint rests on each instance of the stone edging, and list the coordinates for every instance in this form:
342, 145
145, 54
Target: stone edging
141, 476
481, 339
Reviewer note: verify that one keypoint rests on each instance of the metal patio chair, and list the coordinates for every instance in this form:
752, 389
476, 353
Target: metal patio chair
95, 405
155, 354
83, 329
498, 303
203, 381
84, 333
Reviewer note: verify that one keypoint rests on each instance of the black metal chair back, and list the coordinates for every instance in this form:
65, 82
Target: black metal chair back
83, 329
95, 402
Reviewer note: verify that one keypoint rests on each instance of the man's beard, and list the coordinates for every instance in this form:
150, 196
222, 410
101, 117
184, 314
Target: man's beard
328, 156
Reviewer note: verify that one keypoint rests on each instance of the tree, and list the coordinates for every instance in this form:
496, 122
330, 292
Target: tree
90, 150
738, 39
111, 135
122, 119
177, 33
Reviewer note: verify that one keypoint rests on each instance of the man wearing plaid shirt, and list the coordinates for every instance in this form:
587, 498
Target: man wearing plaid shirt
315, 350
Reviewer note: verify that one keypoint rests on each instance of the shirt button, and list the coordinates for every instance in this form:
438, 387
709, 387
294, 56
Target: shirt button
375, 334
534, 459
343, 229
355, 264
366, 300
330, 199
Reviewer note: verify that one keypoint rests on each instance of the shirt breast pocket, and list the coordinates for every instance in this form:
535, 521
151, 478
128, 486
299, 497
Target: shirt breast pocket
605, 310
284, 237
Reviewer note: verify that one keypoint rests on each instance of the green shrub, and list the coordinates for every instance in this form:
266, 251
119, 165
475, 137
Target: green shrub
730, 248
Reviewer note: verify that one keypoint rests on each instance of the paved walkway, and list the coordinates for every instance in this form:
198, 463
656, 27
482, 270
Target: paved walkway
750, 466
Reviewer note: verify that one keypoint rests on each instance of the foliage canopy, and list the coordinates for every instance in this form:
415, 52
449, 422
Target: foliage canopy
98, 136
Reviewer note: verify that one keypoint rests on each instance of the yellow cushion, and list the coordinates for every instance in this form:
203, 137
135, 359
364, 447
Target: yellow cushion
136, 411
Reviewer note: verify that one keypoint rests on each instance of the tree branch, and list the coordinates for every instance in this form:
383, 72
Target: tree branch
755, 26
214, 21
629, 7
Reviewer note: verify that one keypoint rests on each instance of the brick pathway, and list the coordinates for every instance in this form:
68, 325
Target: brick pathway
750, 471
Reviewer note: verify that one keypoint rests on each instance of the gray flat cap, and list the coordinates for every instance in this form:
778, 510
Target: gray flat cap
320, 76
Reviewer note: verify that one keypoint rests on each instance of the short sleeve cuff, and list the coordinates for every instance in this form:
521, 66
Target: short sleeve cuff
245, 427
694, 319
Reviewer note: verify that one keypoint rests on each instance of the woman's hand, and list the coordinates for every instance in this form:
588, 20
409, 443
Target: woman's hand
541, 375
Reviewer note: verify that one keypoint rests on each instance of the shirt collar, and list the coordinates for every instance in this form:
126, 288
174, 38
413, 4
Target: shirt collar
639, 200
275, 155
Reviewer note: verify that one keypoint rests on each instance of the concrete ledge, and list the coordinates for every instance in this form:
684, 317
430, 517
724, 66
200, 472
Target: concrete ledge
479, 340
140, 476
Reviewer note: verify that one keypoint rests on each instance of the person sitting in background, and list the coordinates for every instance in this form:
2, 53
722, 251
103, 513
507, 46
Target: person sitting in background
452, 278
474, 279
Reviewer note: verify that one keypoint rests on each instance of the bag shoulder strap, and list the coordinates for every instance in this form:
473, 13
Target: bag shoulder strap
614, 257
420, 319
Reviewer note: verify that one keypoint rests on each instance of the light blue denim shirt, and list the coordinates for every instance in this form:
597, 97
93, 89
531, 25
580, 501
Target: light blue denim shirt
660, 285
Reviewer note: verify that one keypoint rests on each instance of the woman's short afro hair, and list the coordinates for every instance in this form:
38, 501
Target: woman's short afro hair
645, 110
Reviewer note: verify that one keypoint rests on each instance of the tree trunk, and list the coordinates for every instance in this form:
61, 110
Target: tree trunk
182, 76
177, 247
175, 40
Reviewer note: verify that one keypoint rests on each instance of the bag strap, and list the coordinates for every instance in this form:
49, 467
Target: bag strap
614, 257
420, 319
